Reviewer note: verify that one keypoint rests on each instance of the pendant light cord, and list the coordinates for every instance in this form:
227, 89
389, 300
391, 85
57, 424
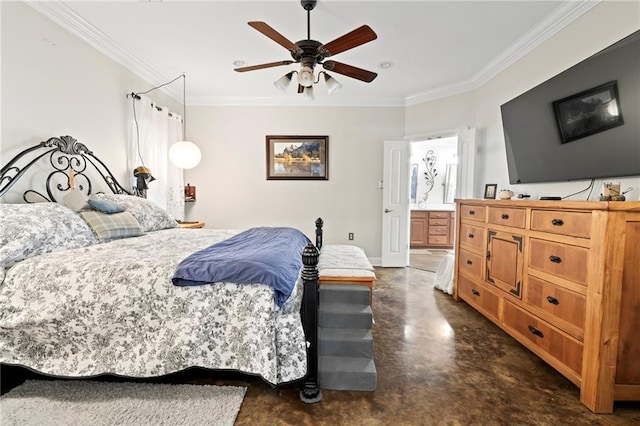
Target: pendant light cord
184, 107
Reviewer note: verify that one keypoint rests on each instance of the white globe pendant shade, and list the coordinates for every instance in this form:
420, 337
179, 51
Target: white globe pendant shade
185, 154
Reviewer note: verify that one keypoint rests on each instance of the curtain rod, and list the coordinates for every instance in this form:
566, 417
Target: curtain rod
138, 97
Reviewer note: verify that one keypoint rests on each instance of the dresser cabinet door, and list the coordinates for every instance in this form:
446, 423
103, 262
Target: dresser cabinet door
505, 261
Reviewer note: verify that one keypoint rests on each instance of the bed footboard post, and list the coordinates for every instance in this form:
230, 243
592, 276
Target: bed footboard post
310, 387
319, 223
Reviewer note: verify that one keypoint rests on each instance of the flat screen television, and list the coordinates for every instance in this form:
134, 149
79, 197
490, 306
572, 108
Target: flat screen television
583, 123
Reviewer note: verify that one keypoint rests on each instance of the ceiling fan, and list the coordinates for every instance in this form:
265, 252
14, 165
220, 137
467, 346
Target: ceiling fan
310, 53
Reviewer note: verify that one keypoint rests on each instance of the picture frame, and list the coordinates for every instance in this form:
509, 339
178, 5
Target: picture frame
588, 112
490, 191
297, 157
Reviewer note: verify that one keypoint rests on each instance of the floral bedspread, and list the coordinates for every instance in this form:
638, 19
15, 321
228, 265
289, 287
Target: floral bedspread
111, 308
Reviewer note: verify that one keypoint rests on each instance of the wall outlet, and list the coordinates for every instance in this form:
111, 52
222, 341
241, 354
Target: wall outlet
350, 236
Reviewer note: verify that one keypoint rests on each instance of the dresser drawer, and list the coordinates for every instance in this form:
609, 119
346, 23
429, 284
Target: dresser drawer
473, 236
560, 346
478, 296
473, 213
438, 215
577, 224
563, 305
507, 216
471, 264
562, 260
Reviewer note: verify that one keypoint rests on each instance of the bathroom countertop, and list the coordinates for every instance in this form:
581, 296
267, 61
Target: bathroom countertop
433, 207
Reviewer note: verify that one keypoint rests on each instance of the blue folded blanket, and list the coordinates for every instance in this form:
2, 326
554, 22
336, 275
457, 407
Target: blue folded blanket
265, 255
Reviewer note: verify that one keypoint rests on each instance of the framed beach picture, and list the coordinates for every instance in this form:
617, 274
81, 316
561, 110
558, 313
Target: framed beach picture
588, 112
297, 157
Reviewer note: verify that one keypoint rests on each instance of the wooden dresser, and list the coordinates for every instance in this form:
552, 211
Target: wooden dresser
432, 228
562, 278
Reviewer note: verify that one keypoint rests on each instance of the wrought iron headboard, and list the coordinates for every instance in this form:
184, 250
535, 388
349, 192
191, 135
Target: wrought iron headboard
70, 160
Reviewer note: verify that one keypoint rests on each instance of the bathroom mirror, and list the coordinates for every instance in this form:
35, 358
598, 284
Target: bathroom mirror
450, 183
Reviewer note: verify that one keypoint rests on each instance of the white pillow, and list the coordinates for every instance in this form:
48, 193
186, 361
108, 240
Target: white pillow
150, 216
76, 200
28, 230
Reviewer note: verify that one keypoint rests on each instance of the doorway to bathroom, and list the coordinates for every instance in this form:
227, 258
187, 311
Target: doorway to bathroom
433, 171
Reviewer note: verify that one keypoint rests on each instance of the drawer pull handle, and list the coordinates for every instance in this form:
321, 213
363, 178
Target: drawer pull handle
472, 212
557, 222
553, 300
555, 259
469, 262
535, 331
470, 235
505, 216
475, 292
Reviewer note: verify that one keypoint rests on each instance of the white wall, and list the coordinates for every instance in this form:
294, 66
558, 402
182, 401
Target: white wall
602, 26
54, 84
232, 190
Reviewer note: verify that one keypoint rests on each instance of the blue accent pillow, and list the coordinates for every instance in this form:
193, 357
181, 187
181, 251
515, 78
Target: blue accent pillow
105, 206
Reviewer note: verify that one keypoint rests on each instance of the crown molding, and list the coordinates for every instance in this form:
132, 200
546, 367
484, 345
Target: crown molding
297, 101
64, 16
562, 16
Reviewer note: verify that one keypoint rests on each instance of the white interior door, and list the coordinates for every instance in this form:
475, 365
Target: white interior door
466, 162
395, 204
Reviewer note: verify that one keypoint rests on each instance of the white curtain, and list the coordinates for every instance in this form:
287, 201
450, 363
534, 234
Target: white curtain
153, 131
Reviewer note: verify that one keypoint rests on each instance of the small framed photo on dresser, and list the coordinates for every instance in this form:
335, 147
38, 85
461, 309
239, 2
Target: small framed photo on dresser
490, 190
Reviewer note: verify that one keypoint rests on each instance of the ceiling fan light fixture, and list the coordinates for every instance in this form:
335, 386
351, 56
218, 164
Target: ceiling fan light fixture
283, 82
332, 83
305, 76
307, 93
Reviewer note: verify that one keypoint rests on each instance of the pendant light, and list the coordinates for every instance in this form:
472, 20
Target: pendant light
184, 154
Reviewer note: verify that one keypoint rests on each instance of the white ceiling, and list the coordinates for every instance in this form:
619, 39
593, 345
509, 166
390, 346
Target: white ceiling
438, 48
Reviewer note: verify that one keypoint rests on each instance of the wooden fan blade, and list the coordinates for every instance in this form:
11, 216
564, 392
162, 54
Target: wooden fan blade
350, 71
355, 38
266, 29
261, 66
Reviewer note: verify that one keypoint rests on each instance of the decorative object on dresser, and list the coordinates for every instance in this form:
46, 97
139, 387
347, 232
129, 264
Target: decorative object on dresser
432, 228
490, 190
562, 279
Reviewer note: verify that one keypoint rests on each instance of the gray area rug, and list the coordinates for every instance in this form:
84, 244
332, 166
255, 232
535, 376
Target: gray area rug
45, 402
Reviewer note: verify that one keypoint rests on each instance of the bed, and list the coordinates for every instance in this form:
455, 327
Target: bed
81, 296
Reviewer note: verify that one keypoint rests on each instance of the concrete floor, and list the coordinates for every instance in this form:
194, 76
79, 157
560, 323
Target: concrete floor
439, 362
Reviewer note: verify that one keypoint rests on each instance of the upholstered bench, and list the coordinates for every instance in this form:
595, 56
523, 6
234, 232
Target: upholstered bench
345, 264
